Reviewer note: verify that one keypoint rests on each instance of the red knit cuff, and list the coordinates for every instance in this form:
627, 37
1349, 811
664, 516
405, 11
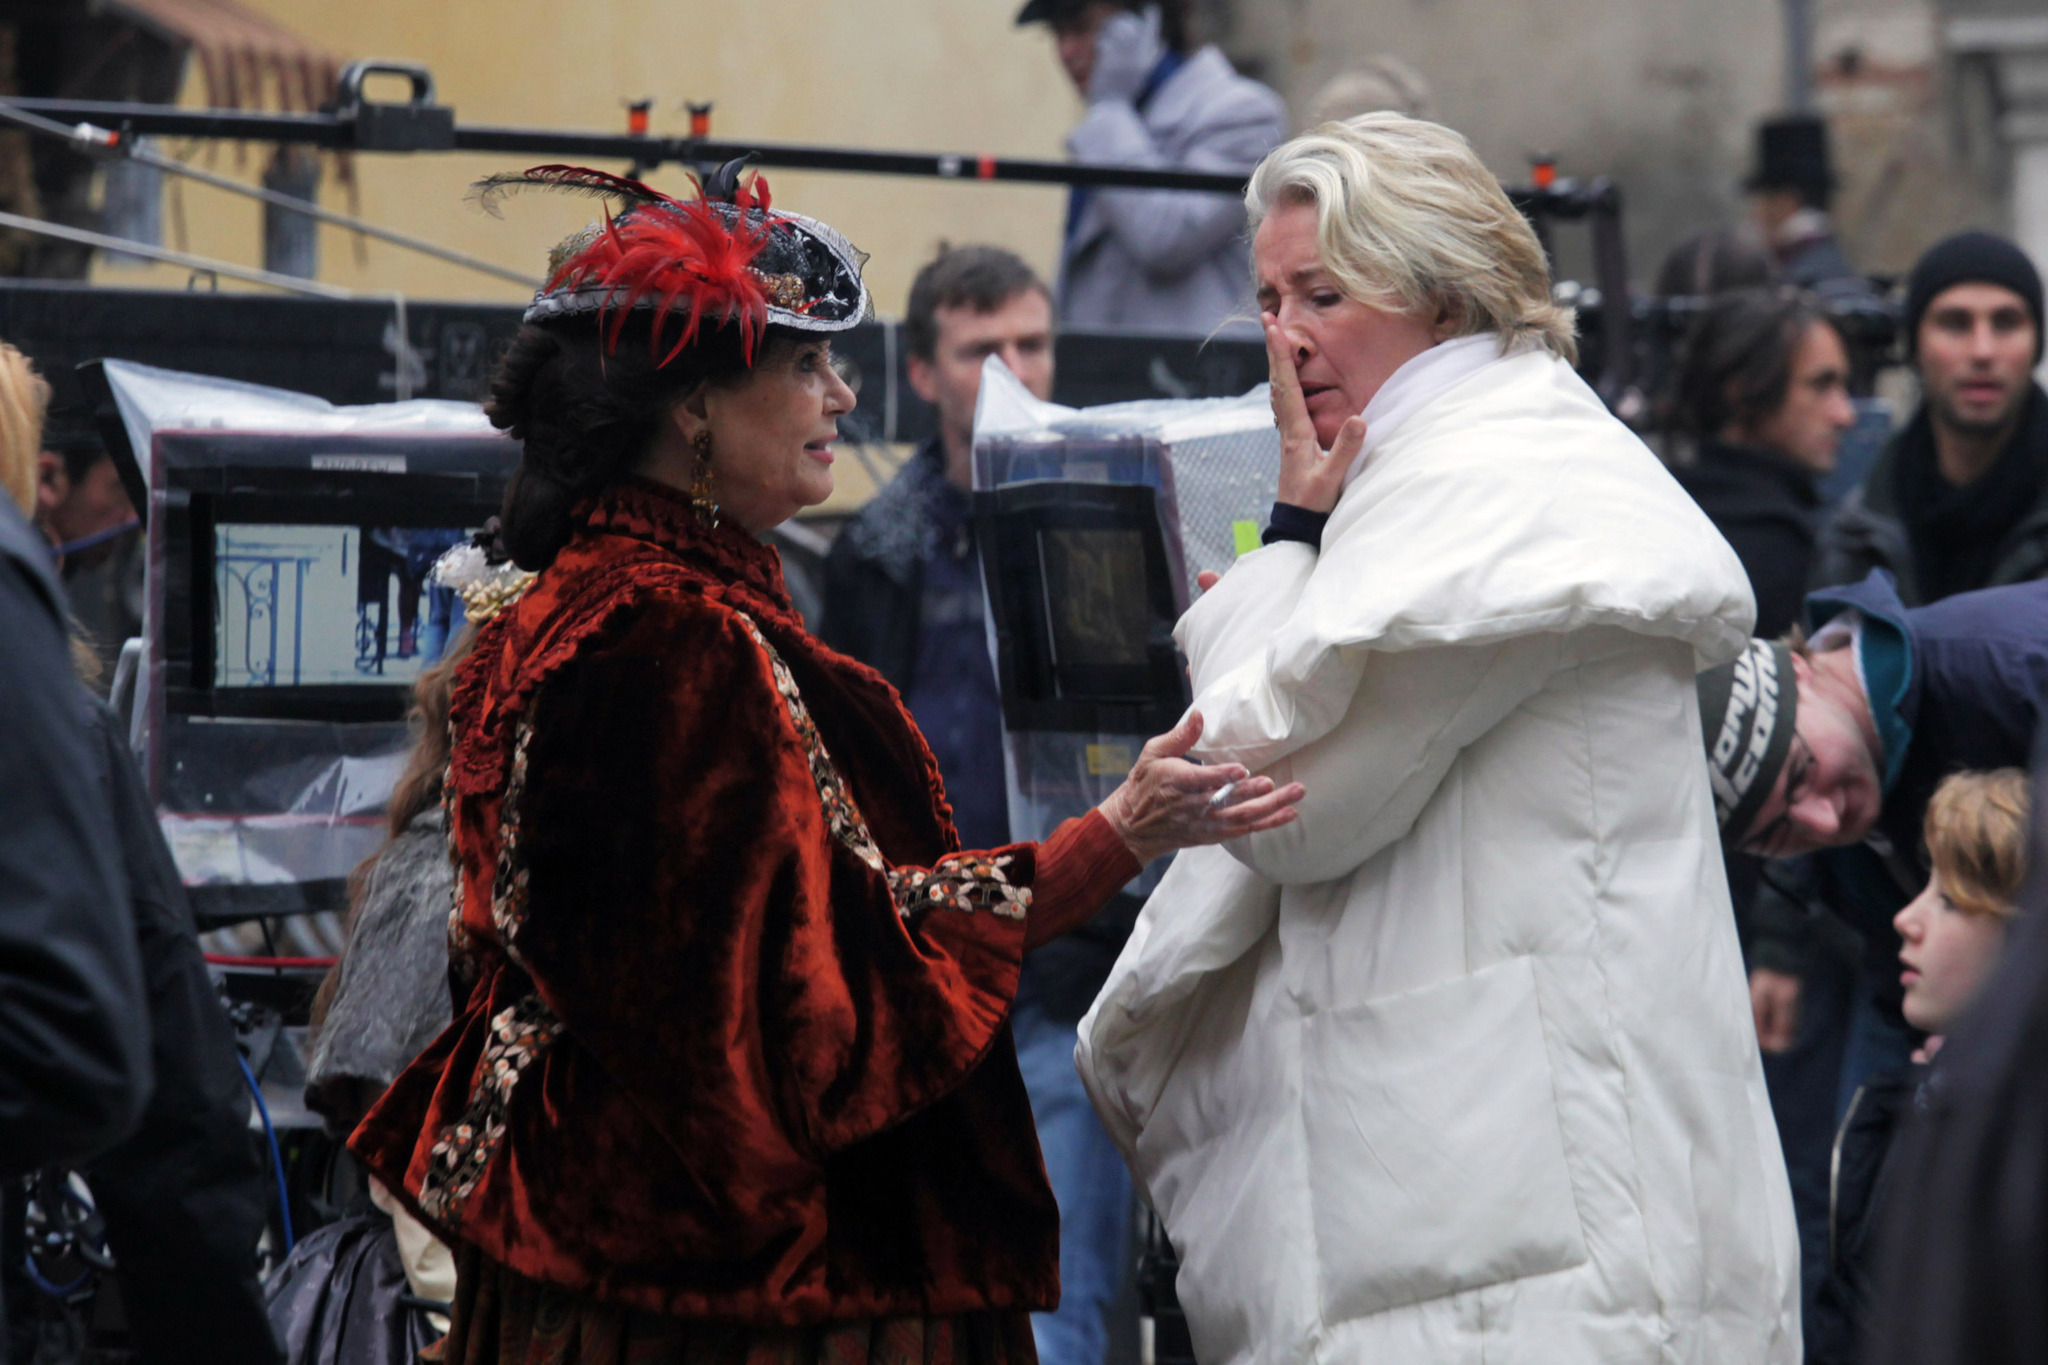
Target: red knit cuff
1080, 867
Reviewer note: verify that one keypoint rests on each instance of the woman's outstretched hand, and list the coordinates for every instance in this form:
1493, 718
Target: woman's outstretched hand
1166, 802
1310, 476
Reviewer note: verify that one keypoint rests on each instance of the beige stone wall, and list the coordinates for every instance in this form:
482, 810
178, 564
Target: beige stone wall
1889, 94
1658, 94
1662, 95
940, 75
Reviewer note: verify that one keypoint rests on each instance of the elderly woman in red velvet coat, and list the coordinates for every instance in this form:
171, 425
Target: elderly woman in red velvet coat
729, 1077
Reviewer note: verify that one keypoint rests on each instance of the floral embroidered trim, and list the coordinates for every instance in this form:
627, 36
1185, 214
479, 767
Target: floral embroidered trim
510, 884
520, 1033
958, 881
461, 952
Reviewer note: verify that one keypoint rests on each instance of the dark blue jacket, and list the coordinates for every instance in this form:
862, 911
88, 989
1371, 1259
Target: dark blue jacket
1972, 696
74, 1038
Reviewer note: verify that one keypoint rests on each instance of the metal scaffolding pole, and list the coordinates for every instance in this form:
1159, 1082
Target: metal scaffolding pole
97, 141
338, 132
204, 264
1799, 55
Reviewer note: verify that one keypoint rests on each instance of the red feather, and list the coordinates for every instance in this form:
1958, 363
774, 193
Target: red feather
684, 255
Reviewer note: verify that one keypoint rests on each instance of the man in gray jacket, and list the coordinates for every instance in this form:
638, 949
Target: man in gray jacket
1155, 260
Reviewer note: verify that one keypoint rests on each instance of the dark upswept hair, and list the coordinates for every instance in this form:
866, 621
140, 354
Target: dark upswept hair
982, 278
585, 412
1735, 367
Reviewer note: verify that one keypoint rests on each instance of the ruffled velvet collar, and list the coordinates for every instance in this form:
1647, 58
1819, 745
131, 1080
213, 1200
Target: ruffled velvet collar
642, 509
580, 594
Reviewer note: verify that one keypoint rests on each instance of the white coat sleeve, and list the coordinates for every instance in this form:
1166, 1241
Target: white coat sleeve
1370, 774
1169, 232
1233, 622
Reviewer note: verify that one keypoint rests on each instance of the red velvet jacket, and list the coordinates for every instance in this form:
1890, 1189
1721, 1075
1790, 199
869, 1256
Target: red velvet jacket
731, 1040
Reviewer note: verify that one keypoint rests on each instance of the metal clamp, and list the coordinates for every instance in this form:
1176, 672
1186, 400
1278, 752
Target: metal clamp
418, 125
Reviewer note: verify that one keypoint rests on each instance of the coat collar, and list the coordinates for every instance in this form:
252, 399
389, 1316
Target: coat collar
1418, 383
1757, 467
1180, 97
654, 513
899, 530
1885, 662
633, 534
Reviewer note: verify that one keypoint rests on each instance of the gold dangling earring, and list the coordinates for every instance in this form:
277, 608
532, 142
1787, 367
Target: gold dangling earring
702, 496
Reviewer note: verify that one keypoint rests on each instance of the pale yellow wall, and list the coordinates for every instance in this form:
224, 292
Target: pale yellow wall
931, 75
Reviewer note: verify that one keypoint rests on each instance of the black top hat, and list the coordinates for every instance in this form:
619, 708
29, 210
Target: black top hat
1792, 154
1048, 11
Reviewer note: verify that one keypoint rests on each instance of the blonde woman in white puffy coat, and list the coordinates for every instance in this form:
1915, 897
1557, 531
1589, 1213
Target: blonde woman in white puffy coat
1458, 1066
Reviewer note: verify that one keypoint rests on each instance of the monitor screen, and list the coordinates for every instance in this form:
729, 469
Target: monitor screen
1095, 596
1081, 604
307, 605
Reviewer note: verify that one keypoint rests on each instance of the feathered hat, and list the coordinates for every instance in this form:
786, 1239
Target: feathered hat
725, 255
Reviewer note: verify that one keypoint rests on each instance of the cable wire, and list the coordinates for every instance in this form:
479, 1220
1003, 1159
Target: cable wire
284, 1198
55, 1291
289, 283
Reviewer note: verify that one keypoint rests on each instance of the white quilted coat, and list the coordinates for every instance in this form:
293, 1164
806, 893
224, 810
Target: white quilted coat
1459, 1066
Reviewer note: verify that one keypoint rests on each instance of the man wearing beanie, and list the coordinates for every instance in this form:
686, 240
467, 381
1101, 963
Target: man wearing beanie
1959, 498
1831, 750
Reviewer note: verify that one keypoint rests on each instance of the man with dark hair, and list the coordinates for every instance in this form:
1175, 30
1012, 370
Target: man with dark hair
83, 509
1762, 394
1959, 498
903, 593
1157, 261
903, 582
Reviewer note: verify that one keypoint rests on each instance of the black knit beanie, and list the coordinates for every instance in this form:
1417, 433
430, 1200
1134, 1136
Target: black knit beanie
1749, 710
1972, 258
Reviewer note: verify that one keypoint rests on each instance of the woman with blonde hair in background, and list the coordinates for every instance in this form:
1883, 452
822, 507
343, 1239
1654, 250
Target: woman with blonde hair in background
24, 398
24, 402
1457, 1065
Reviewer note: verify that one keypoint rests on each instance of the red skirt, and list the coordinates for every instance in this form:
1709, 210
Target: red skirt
500, 1317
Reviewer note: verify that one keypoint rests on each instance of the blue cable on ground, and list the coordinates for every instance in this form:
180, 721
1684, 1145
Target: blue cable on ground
284, 1199
55, 1291
65, 1291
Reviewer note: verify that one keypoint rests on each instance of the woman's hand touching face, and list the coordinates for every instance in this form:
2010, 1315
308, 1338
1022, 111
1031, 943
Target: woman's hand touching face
1327, 352
1310, 475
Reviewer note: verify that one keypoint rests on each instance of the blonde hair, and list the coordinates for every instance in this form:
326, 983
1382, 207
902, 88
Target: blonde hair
1408, 218
1977, 837
24, 396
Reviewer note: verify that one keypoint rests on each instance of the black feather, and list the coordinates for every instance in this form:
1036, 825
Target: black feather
724, 185
492, 190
